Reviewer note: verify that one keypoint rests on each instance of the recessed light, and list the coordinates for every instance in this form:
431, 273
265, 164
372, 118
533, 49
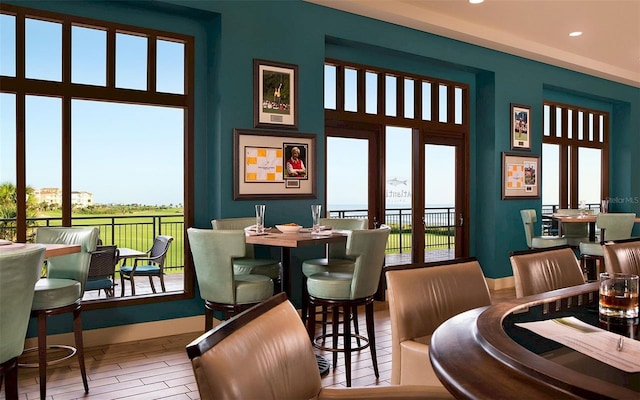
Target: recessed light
476, 1
576, 33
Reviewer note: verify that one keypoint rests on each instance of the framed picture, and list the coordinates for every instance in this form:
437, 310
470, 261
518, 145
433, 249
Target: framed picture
275, 92
520, 127
520, 176
273, 165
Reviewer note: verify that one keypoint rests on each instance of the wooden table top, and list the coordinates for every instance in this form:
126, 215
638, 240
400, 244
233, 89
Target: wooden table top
301, 239
52, 250
577, 218
475, 358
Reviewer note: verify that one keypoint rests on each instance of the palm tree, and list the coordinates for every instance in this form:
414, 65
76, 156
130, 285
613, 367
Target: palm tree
9, 211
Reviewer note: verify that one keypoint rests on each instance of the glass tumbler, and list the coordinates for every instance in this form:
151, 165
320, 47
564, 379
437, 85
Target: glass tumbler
260, 218
316, 210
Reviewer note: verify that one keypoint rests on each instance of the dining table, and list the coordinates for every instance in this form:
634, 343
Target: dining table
288, 241
51, 250
579, 218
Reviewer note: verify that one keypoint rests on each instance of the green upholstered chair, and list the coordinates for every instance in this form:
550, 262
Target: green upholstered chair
335, 260
62, 290
345, 290
102, 269
542, 270
613, 226
150, 266
221, 288
19, 272
249, 264
575, 232
529, 218
622, 256
421, 297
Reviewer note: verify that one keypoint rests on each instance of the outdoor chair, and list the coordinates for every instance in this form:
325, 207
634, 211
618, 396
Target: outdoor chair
102, 269
150, 266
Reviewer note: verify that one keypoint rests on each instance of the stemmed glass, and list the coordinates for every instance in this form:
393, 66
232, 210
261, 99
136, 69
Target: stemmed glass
316, 210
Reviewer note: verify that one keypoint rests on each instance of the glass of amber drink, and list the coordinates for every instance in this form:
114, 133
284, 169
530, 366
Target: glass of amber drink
618, 295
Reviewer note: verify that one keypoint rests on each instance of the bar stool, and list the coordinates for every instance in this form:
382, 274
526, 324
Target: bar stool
61, 292
344, 291
19, 271
249, 264
613, 226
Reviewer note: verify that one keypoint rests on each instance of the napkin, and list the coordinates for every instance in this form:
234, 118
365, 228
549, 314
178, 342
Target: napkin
251, 231
589, 340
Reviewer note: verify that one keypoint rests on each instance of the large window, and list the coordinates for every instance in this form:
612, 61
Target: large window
95, 130
575, 156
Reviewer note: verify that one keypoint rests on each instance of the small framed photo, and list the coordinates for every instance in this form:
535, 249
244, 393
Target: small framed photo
520, 127
275, 92
520, 176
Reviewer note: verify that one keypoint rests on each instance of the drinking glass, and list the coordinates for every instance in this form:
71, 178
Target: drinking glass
618, 295
316, 210
260, 218
604, 206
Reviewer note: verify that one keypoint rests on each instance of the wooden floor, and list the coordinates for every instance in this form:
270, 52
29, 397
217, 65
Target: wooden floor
160, 369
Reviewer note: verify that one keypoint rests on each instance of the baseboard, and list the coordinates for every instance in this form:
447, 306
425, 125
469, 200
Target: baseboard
501, 283
128, 333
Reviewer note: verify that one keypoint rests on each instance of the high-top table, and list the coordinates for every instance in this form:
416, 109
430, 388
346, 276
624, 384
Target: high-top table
51, 250
568, 219
479, 354
287, 241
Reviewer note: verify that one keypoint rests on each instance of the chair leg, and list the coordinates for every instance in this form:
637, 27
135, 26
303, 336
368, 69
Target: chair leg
305, 301
311, 321
347, 343
335, 317
162, 283
372, 337
121, 285
208, 319
77, 329
10, 369
42, 353
153, 288
356, 328
133, 285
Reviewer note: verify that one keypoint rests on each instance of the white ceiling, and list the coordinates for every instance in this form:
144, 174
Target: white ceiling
536, 29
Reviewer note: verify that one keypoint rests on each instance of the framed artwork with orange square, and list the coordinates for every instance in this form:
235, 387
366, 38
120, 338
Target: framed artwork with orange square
520, 176
273, 165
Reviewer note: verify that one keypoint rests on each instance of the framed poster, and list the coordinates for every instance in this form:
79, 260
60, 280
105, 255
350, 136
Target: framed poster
520, 127
275, 93
273, 165
520, 176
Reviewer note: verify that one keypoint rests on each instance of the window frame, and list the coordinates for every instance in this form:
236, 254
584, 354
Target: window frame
21, 87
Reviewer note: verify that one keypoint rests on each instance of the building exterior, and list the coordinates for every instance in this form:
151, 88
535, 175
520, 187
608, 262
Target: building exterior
54, 196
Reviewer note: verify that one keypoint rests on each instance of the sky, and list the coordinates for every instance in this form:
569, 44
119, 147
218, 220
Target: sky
133, 154
121, 153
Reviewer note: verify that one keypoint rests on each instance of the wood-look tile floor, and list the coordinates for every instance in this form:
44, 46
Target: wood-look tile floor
160, 369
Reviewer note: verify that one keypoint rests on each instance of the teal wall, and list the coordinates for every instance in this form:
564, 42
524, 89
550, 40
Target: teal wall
229, 34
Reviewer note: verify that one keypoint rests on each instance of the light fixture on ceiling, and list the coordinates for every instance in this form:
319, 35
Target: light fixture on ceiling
576, 33
476, 1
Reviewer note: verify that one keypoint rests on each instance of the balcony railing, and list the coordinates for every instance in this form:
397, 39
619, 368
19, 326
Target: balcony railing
138, 231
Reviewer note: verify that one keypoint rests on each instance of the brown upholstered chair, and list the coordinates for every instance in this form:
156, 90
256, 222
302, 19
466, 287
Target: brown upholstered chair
265, 353
420, 299
542, 270
622, 256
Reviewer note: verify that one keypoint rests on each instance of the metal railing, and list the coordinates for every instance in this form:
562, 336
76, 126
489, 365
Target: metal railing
439, 227
132, 231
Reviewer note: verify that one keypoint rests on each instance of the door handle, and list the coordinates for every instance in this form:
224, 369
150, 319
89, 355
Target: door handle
460, 220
